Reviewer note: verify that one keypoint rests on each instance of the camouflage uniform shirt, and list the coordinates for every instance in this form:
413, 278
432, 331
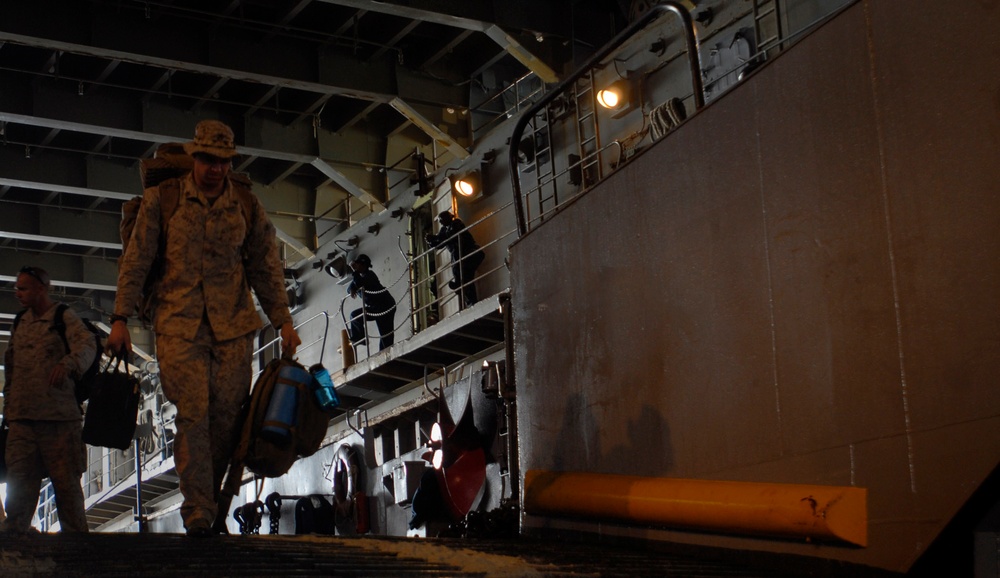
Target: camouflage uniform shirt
211, 261
37, 348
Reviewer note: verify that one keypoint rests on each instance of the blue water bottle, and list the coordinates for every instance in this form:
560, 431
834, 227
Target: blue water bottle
282, 409
326, 394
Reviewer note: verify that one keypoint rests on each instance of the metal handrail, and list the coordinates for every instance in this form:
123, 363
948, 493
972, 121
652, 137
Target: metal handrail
552, 177
302, 347
694, 62
508, 112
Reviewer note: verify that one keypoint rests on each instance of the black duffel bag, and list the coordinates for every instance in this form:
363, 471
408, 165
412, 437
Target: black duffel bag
113, 408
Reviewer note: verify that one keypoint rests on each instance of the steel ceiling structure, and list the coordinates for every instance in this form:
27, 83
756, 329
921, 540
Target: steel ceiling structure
330, 99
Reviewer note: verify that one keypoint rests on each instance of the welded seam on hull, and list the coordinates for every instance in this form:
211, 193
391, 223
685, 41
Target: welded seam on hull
904, 388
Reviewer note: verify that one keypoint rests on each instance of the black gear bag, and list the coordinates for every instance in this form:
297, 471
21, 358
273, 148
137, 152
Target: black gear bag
113, 408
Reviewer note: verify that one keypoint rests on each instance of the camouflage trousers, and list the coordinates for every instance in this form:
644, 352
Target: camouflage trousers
208, 381
36, 449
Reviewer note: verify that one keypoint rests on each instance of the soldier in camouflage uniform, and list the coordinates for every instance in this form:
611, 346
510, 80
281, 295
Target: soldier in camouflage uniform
40, 406
205, 319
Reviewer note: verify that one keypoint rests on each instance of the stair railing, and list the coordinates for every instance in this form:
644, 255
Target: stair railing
694, 62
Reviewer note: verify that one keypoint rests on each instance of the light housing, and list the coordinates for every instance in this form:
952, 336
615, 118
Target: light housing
336, 267
467, 184
616, 96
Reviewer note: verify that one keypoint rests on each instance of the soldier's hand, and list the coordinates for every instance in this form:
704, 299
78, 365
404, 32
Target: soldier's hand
119, 342
58, 374
289, 340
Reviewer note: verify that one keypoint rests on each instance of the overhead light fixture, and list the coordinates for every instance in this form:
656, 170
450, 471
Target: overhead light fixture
337, 265
467, 184
617, 96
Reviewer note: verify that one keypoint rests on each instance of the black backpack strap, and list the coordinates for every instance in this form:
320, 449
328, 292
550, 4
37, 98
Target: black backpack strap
60, 324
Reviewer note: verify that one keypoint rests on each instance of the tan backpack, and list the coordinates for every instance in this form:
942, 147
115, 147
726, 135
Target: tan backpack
169, 164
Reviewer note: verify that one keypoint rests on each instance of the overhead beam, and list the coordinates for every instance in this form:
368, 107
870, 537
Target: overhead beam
395, 39
352, 21
353, 120
312, 111
522, 54
108, 69
294, 244
225, 73
284, 175
67, 284
48, 187
346, 183
85, 128
260, 101
317, 162
508, 43
443, 138
59, 240
321, 165
167, 64
446, 49
219, 83
288, 17
157, 85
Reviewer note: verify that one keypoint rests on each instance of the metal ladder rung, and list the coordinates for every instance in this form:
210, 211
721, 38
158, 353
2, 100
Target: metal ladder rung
765, 13
770, 12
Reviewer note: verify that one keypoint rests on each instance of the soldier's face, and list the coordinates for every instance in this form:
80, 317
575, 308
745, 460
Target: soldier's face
210, 172
28, 290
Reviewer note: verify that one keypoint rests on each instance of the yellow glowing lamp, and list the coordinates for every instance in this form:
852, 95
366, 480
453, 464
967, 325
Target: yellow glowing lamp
464, 188
608, 98
467, 184
614, 97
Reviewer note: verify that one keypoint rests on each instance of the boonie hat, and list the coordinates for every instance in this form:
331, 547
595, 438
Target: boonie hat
214, 138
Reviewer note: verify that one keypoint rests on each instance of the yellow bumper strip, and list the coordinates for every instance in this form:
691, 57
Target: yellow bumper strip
791, 510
